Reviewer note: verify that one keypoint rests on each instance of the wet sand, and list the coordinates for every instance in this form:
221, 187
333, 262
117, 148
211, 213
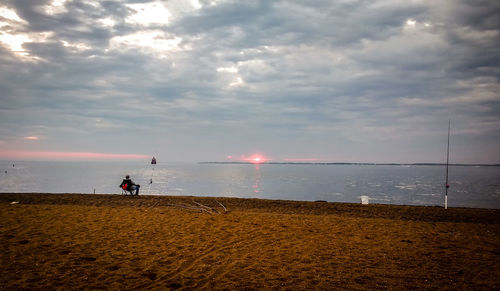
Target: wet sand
71, 241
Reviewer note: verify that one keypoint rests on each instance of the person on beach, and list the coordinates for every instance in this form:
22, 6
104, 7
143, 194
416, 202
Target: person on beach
128, 185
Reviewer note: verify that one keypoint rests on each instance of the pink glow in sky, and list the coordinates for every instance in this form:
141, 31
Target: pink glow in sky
31, 137
20, 155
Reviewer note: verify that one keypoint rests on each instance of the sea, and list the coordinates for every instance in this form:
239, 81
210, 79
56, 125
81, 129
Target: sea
424, 185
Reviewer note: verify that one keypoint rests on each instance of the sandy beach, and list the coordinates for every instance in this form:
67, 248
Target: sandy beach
72, 241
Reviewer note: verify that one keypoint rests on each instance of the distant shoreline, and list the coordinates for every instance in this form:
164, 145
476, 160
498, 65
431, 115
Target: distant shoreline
353, 164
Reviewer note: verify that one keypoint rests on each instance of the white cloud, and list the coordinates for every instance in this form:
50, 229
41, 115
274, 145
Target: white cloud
13, 37
196, 4
10, 14
76, 46
92, 3
146, 14
55, 7
15, 43
180, 8
107, 22
227, 69
237, 82
411, 23
155, 41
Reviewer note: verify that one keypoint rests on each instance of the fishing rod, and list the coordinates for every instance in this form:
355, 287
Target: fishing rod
447, 185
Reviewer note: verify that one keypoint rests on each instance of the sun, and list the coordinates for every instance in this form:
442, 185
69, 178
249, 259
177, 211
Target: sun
256, 159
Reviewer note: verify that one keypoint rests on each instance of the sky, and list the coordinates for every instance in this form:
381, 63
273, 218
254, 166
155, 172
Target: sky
222, 80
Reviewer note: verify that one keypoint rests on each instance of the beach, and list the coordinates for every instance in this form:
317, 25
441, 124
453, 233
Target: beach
84, 241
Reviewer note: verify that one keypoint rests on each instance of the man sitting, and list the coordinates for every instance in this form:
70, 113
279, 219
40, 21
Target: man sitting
129, 186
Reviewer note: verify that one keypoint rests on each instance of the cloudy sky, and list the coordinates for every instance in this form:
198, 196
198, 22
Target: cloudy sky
219, 80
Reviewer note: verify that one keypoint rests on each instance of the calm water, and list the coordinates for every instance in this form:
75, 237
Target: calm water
404, 185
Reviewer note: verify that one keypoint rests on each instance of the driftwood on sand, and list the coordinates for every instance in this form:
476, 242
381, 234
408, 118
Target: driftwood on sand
197, 206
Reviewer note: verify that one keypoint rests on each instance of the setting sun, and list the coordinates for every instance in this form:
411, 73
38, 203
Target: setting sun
255, 159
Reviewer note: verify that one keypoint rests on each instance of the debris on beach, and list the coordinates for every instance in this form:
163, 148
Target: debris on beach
200, 207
